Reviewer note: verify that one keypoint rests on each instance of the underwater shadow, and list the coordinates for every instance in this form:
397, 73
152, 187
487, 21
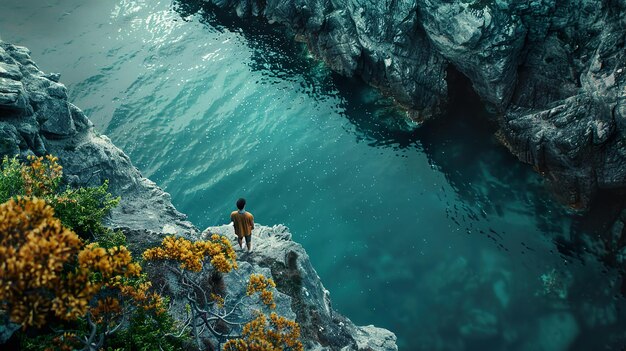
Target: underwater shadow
462, 146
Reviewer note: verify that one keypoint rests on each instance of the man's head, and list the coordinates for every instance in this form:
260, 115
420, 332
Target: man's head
241, 203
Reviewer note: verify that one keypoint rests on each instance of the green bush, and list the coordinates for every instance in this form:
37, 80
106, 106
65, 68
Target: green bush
84, 209
11, 182
111, 238
148, 332
50, 341
145, 331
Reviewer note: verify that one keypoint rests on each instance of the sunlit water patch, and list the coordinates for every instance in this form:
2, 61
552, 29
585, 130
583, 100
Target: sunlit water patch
436, 232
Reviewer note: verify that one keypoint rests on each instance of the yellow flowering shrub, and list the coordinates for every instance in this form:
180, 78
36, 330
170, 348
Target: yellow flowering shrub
277, 334
261, 284
97, 269
34, 249
191, 255
49, 275
141, 296
45, 268
273, 333
108, 309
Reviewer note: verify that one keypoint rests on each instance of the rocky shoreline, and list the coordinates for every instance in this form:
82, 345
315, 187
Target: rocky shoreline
36, 118
553, 72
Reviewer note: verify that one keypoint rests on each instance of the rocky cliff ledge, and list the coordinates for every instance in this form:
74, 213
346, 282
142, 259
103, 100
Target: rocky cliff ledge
36, 118
553, 71
302, 294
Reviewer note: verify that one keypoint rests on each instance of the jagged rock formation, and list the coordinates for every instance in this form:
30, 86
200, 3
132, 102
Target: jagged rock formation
553, 71
36, 118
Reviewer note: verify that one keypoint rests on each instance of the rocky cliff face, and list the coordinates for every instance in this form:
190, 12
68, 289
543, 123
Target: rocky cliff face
552, 70
36, 118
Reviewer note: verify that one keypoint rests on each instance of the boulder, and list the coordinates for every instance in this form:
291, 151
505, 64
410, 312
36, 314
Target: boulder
12, 96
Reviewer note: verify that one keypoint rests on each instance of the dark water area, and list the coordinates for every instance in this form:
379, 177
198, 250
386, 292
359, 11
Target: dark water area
435, 232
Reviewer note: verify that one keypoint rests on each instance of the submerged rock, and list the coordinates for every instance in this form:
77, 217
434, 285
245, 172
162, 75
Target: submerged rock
556, 284
554, 332
481, 324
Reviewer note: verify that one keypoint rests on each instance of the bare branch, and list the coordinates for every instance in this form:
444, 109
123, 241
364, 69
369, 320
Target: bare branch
182, 331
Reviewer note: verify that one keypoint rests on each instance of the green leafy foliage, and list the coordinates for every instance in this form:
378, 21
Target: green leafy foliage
49, 341
37, 343
147, 332
81, 210
84, 209
111, 238
11, 182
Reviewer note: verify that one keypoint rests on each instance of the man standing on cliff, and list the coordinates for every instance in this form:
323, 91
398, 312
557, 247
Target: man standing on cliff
244, 223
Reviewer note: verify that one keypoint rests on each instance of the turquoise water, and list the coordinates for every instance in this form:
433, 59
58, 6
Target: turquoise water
436, 233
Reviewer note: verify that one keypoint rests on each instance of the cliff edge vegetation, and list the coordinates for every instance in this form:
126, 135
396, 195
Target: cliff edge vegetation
82, 222
68, 292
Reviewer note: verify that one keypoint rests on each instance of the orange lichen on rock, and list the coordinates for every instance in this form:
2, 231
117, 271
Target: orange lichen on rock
279, 334
191, 255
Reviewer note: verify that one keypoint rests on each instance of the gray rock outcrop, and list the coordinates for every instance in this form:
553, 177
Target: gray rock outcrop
552, 71
37, 119
276, 255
